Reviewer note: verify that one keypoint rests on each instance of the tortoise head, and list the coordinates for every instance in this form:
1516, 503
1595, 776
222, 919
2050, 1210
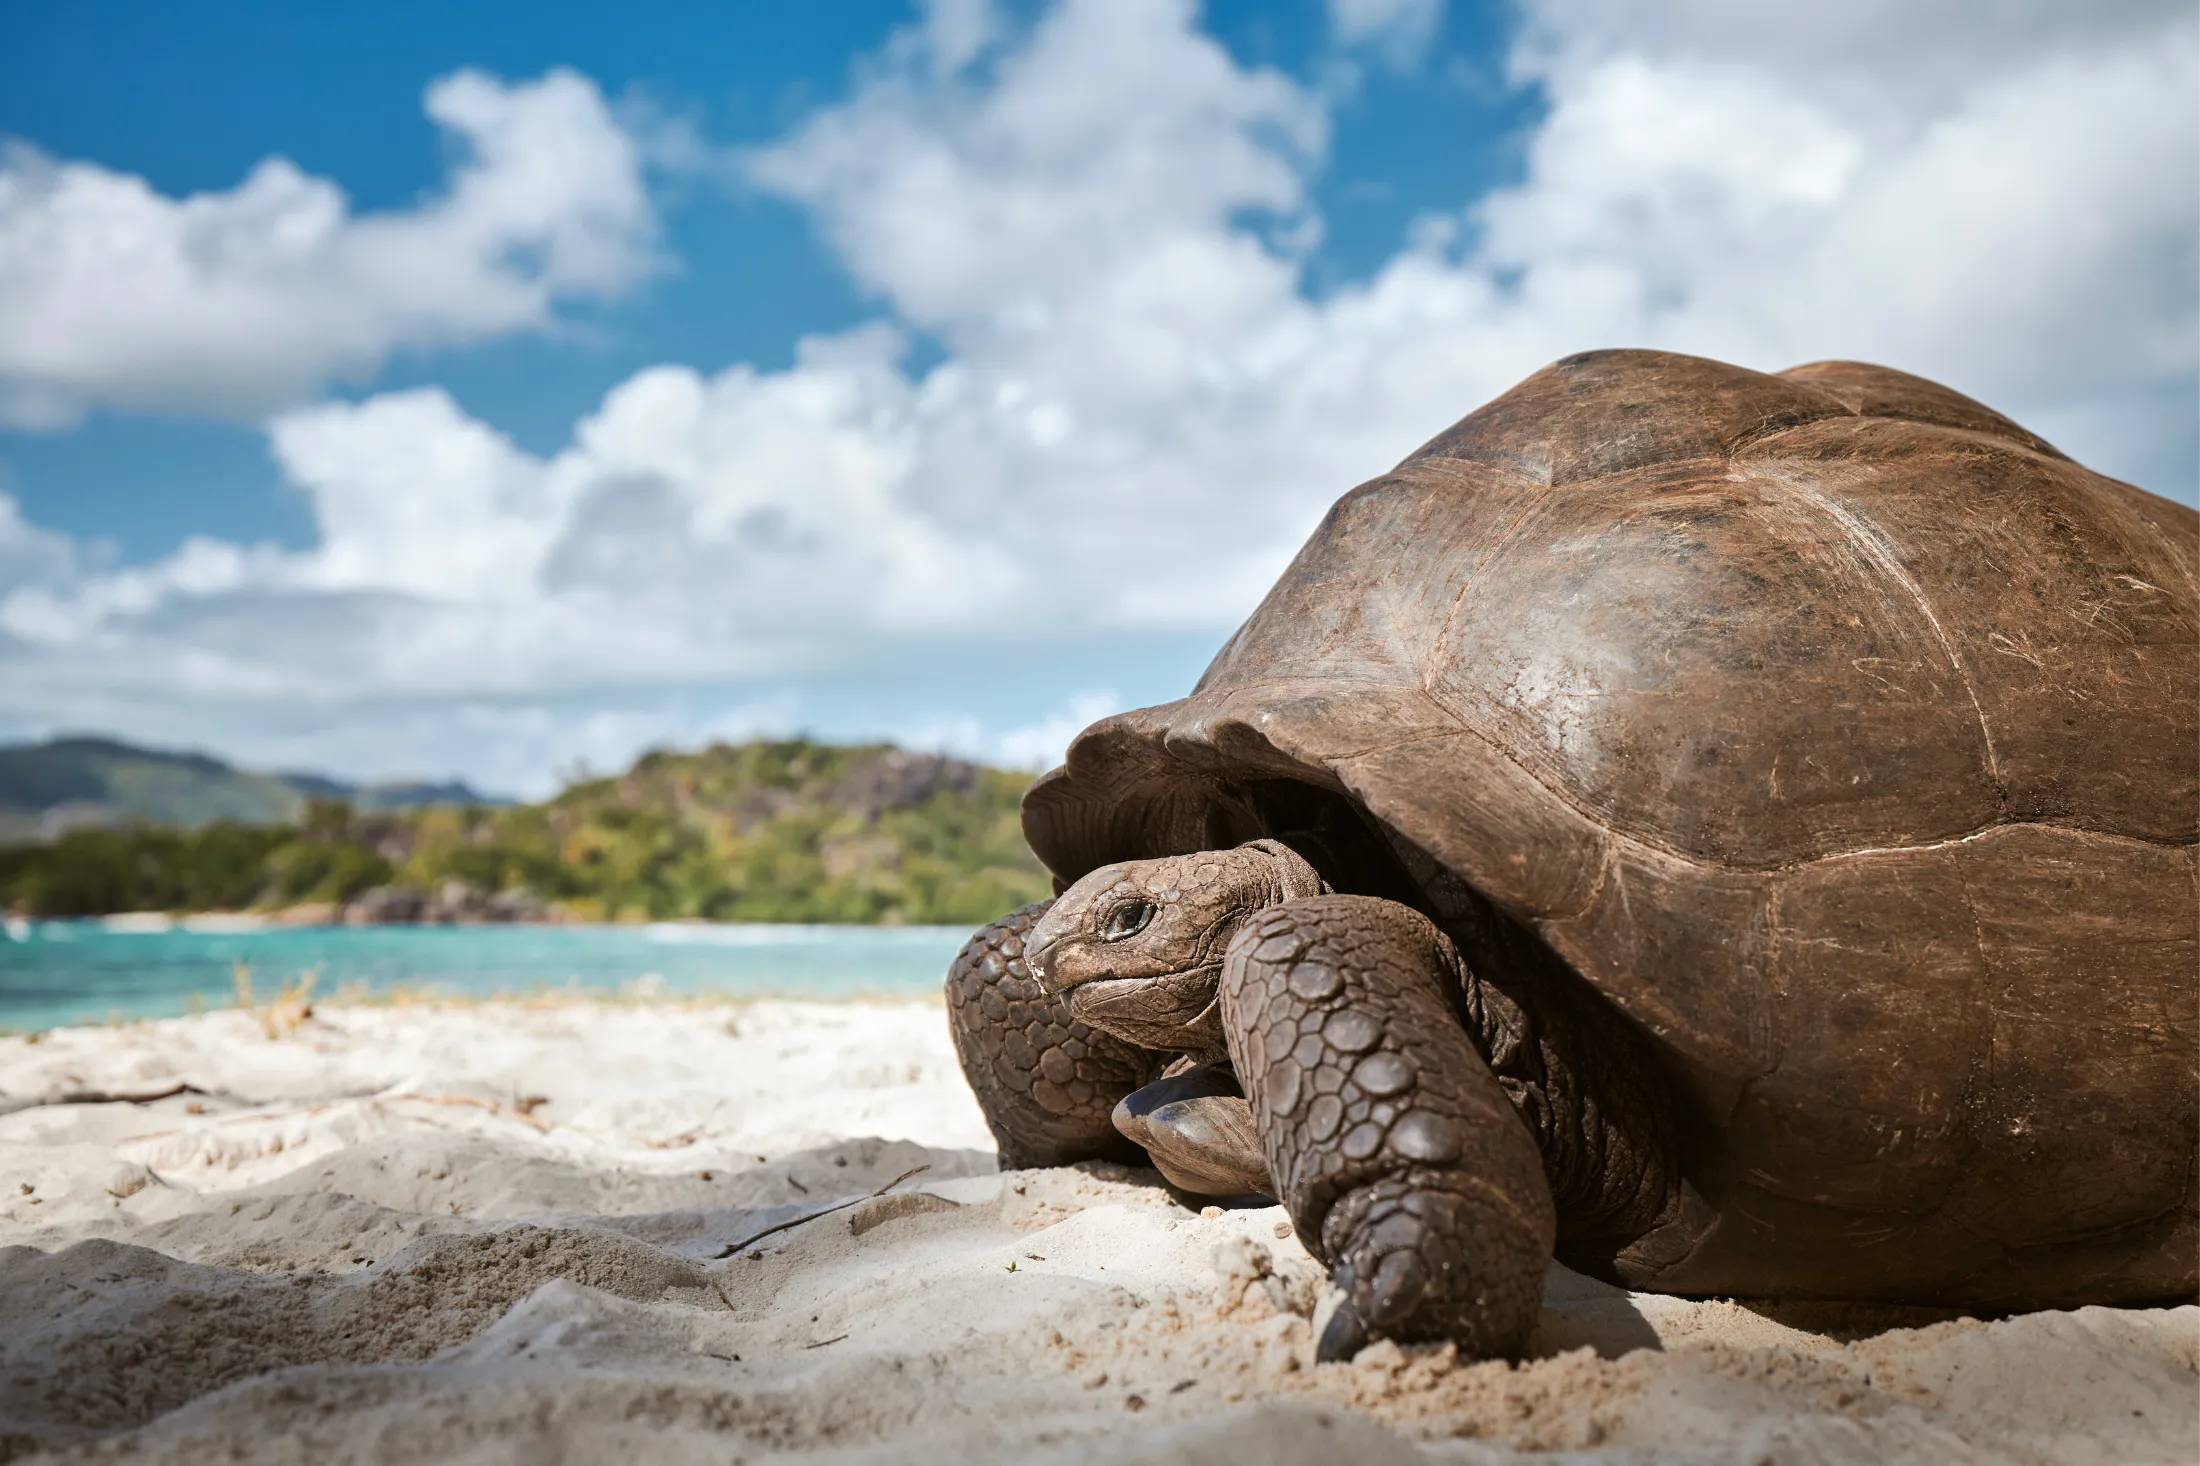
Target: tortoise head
1137, 947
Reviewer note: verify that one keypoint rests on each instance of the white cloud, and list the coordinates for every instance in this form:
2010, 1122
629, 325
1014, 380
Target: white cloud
1399, 30
1139, 413
1037, 745
2025, 230
32, 558
1887, 64
1112, 151
1040, 745
239, 302
1034, 746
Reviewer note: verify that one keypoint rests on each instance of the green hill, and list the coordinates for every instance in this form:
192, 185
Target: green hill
47, 789
786, 830
95, 780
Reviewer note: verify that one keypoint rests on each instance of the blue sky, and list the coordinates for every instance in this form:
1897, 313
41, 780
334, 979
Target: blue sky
191, 98
478, 432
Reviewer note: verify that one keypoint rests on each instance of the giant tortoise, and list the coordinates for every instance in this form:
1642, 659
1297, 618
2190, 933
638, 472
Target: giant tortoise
1735, 832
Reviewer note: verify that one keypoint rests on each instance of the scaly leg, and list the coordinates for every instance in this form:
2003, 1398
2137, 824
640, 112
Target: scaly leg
1046, 1082
1403, 1163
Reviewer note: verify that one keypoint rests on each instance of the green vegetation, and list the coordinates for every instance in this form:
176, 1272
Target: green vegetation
768, 831
87, 872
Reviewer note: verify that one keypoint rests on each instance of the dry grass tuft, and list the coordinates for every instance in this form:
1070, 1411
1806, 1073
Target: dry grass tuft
292, 1006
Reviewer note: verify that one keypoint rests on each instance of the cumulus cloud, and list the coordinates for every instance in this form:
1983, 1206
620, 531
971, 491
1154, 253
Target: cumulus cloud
1886, 63
1139, 412
1041, 745
1397, 30
242, 301
2001, 197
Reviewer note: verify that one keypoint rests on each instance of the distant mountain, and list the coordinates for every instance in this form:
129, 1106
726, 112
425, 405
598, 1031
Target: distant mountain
398, 794
772, 830
48, 789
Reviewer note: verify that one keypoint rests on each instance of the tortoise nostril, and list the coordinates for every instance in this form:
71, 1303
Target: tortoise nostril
1039, 962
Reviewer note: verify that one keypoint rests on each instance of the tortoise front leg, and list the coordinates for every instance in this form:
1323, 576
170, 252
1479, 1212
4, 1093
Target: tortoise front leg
1403, 1163
1199, 1132
1046, 1082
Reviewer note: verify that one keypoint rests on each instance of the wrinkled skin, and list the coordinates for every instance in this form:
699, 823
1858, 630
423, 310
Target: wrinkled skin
1358, 1085
1138, 948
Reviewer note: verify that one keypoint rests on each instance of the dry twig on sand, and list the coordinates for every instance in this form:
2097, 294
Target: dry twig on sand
824, 1211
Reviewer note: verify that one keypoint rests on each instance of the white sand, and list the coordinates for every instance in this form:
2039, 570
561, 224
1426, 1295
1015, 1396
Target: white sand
491, 1234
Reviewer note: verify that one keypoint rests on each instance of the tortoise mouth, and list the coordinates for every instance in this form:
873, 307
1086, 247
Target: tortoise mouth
1175, 1012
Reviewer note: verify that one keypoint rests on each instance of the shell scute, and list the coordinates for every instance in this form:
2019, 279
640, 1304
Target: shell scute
1719, 670
1604, 412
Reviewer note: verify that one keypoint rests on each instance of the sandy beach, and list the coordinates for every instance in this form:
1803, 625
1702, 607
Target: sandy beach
678, 1232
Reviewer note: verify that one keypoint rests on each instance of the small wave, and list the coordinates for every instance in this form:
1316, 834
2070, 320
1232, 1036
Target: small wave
787, 934
736, 934
225, 923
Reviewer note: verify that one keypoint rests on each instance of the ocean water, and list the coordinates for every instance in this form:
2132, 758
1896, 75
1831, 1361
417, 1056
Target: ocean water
62, 972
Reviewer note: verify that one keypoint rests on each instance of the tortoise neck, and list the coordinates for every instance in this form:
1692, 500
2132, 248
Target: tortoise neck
1351, 861
1583, 1080
1318, 853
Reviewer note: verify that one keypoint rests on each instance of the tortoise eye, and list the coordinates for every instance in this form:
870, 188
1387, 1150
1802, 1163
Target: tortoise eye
1126, 920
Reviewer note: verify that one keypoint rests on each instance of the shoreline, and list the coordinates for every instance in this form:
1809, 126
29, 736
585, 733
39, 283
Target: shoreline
98, 973
302, 918
499, 1231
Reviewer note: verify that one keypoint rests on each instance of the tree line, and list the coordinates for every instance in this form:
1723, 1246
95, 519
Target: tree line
772, 830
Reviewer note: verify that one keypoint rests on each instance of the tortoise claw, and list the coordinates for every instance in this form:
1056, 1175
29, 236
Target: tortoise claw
1345, 1336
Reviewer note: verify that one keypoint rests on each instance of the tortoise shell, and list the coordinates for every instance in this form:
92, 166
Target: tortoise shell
1840, 732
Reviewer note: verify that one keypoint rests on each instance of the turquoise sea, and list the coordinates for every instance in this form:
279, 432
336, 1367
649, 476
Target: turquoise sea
61, 972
